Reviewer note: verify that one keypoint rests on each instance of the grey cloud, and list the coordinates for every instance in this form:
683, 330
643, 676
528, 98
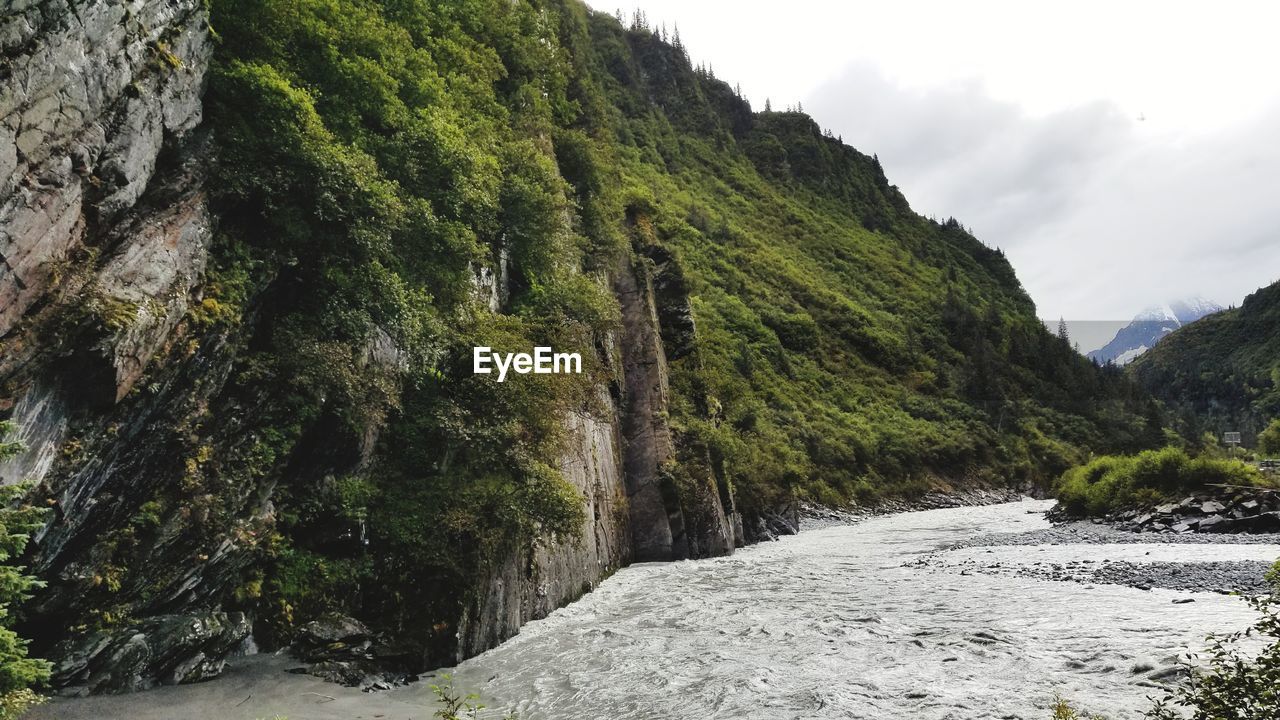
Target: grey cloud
1099, 219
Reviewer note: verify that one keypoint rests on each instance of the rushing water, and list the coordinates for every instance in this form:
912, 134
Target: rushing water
842, 623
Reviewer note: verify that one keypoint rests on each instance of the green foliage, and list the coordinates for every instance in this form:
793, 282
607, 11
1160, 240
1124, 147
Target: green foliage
456, 705
372, 157
1063, 710
17, 521
15, 703
1222, 372
1234, 681
1269, 439
1110, 483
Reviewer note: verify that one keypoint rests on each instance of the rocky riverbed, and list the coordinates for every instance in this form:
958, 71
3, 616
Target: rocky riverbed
1199, 570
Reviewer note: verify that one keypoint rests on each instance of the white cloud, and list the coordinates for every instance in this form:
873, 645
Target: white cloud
1021, 120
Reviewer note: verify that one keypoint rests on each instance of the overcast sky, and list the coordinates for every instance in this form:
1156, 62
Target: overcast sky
1122, 154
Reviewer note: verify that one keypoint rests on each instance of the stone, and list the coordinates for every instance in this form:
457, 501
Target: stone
1267, 522
164, 649
84, 116
333, 637
1207, 524
1212, 506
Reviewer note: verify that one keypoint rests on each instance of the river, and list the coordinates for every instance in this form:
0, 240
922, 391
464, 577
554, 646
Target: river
842, 622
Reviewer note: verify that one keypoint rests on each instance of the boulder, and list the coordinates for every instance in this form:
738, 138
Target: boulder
160, 650
1267, 522
343, 650
1210, 523
1210, 507
333, 637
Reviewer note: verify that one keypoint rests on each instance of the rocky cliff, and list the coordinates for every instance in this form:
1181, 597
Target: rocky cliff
126, 396
104, 234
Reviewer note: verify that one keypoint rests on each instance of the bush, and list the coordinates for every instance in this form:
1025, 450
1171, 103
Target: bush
1269, 439
1110, 483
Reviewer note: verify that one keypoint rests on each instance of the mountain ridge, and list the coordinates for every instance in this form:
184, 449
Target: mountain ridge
1221, 373
1150, 326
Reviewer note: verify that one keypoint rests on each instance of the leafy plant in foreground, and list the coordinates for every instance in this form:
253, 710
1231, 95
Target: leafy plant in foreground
1233, 684
457, 706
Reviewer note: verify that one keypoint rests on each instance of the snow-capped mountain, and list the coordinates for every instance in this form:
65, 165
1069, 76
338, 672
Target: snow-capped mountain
1149, 326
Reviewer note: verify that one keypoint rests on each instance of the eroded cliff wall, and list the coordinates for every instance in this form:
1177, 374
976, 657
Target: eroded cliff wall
137, 434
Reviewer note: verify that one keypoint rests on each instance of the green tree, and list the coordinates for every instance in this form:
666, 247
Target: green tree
1269, 439
17, 521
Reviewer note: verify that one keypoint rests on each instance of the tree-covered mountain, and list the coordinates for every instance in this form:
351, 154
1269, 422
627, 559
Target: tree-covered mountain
240, 362
1222, 373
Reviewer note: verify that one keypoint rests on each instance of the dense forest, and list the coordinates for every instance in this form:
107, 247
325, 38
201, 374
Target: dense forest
1222, 372
392, 183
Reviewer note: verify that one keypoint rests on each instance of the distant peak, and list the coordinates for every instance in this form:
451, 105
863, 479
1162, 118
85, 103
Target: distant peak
1152, 324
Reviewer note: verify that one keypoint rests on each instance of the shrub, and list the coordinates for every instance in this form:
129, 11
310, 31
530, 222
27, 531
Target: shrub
1269, 439
1110, 483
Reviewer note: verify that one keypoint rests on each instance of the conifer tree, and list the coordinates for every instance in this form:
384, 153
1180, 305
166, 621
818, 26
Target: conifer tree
17, 521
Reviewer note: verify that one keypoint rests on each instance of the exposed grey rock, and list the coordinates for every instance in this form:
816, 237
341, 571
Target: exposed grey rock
41, 421
165, 649
341, 649
531, 584
92, 97
333, 636
150, 278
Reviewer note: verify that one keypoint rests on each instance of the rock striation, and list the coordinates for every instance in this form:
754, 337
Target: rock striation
123, 396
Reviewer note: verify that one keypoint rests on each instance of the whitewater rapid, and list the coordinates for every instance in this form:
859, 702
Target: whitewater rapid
877, 620
843, 623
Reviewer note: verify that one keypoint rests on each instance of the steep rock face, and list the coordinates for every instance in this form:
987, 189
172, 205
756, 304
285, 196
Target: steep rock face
655, 514
623, 464
672, 517
93, 93
123, 398
94, 96
532, 582
104, 233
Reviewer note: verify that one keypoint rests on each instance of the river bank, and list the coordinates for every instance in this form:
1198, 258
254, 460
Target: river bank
1197, 569
845, 621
